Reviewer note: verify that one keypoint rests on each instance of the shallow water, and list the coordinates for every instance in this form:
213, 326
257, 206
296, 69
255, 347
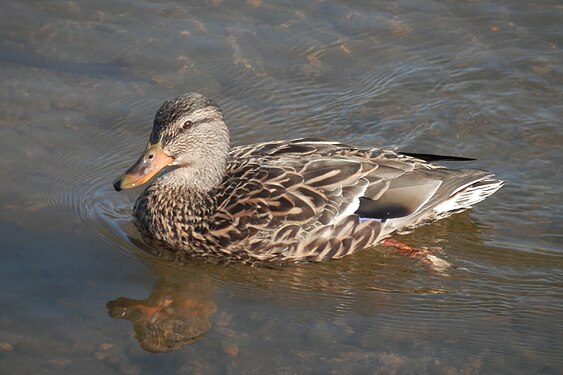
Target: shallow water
81, 82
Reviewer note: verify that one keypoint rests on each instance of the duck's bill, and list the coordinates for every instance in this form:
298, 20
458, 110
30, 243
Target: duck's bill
148, 165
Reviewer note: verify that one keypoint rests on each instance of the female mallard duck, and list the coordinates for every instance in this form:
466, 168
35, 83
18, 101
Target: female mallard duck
297, 200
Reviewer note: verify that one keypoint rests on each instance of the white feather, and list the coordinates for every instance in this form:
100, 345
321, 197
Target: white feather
352, 207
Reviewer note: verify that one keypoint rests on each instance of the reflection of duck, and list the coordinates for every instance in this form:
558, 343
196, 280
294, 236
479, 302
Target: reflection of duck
305, 199
175, 315
183, 306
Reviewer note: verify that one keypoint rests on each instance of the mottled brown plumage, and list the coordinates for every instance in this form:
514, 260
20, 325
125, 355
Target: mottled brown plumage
296, 200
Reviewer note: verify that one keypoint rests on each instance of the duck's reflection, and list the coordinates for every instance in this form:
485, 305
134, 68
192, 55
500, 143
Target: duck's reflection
177, 313
181, 308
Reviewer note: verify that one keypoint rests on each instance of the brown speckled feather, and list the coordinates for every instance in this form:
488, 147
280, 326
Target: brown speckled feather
296, 200
286, 197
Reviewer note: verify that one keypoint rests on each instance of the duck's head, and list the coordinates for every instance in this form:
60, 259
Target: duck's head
189, 134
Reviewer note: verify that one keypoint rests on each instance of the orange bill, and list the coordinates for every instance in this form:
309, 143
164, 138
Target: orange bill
149, 164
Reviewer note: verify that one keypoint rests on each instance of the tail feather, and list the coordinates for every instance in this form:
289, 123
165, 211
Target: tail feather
432, 157
470, 195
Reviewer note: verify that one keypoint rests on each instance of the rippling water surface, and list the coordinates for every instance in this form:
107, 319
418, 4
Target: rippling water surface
81, 82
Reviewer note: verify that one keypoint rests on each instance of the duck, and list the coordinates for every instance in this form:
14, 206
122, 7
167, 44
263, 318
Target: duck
298, 200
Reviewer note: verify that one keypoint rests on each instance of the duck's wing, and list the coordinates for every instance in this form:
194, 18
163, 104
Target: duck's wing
294, 200
311, 199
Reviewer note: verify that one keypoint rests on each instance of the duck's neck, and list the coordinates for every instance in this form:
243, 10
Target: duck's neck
194, 179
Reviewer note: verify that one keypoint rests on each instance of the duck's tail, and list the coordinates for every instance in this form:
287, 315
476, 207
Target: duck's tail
452, 191
466, 197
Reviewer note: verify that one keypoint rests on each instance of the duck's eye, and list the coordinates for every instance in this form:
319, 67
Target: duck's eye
187, 124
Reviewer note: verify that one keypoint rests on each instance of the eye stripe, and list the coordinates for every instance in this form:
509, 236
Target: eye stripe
199, 121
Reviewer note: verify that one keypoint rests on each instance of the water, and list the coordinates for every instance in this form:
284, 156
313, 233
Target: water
81, 82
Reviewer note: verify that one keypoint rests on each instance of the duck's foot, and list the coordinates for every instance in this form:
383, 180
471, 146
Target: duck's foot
426, 254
